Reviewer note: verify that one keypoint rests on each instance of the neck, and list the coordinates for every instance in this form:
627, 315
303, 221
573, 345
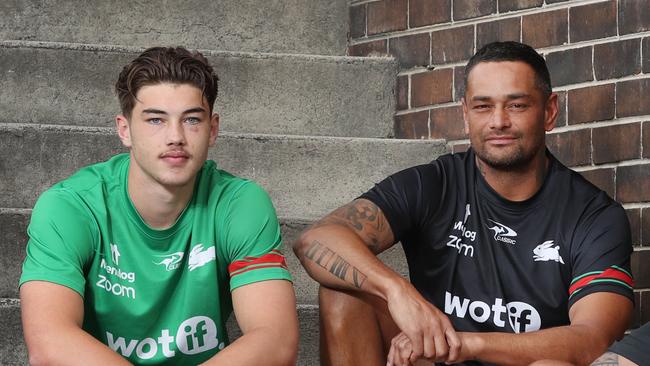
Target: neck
158, 205
517, 184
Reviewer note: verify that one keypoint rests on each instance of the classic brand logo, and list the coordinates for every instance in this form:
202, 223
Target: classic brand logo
199, 257
194, 335
522, 317
503, 233
171, 261
547, 252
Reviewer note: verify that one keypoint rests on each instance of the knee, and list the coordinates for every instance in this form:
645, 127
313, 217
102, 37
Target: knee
339, 309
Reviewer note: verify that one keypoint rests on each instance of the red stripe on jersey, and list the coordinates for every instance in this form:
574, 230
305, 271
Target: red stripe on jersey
610, 273
258, 267
270, 258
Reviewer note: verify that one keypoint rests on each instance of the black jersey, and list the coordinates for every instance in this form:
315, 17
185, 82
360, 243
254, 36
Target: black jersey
496, 265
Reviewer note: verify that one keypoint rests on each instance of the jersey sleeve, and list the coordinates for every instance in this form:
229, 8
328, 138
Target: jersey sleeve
61, 236
407, 198
252, 238
601, 260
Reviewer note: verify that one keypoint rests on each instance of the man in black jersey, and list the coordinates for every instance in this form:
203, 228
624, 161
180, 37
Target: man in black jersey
512, 256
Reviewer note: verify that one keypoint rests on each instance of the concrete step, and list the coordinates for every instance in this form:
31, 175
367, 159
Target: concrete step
305, 176
72, 84
292, 26
13, 238
14, 352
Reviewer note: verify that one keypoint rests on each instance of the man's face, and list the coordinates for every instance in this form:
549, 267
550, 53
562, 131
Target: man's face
169, 133
506, 114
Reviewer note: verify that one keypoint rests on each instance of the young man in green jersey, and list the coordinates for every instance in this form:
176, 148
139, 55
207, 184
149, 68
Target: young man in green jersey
141, 259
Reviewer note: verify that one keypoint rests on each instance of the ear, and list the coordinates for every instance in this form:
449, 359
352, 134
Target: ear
214, 128
465, 111
551, 111
123, 130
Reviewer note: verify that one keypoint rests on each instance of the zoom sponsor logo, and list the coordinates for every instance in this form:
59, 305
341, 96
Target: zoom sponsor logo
194, 335
461, 241
521, 316
111, 281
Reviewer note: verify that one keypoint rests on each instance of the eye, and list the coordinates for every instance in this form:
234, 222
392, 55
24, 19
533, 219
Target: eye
154, 121
518, 106
480, 107
192, 120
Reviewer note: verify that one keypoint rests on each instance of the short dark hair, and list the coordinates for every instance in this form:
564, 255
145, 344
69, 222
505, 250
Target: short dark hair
158, 65
513, 51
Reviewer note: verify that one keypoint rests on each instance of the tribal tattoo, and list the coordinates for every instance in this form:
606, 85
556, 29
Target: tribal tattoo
334, 264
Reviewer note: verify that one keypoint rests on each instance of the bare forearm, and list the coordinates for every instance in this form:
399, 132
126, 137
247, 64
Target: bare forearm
336, 257
261, 346
575, 344
54, 349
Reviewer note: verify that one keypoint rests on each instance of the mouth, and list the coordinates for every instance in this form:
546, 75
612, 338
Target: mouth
175, 157
500, 140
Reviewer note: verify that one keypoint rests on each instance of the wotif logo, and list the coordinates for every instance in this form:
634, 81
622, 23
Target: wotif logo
194, 335
521, 316
503, 233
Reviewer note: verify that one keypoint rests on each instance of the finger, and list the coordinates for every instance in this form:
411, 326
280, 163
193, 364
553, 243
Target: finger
405, 350
429, 348
455, 344
440, 342
416, 344
394, 355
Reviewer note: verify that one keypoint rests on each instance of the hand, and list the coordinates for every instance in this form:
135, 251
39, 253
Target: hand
429, 332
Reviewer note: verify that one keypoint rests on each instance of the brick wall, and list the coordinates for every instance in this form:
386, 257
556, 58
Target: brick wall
598, 52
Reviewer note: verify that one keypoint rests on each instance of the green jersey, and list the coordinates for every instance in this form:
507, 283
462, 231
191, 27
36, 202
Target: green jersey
154, 296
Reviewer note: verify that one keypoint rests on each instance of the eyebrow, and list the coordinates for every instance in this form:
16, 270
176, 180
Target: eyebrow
483, 98
159, 111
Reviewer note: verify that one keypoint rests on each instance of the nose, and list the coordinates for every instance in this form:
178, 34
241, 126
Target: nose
175, 133
500, 118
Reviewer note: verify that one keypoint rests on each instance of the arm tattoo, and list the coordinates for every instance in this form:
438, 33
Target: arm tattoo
364, 218
607, 359
333, 263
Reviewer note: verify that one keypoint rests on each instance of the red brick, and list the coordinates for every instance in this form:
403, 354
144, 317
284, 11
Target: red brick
634, 217
646, 54
545, 29
374, 48
358, 21
459, 83
431, 87
633, 16
410, 51
510, 5
616, 59
402, 92
412, 125
616, 143
601, 178
458, 148
633, 98
570, 66
427, 12
571, 147
646, 139
594, 103
641, 269
387, 16
592, 21
645, 226
562, 109
633, 183
447, 123
452, 45
465, 9
499, 30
